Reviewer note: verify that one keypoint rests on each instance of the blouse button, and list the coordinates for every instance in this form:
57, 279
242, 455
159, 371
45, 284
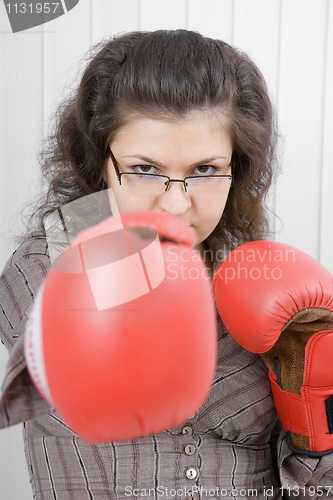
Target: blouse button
187, 429
189, 449
191, 473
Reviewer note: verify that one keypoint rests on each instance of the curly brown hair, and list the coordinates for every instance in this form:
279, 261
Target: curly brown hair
165, 73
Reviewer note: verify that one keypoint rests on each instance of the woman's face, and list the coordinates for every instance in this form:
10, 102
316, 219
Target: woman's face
195, 145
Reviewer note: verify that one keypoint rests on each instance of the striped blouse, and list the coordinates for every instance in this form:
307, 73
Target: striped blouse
224, 450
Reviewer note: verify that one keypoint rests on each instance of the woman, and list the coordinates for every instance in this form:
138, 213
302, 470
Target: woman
178, 105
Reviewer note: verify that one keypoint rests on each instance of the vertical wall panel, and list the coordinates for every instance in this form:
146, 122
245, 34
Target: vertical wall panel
20, 129
20, 136
163, 15
14, 476
65, 43
256, 31
326, 212
111, 18
213, 18
300, 111
257, 27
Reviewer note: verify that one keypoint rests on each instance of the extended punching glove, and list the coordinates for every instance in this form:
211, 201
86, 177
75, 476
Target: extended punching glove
120, 341
278, 301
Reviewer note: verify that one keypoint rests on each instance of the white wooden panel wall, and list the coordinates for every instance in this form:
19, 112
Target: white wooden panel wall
292, 43
301, 107
325, 245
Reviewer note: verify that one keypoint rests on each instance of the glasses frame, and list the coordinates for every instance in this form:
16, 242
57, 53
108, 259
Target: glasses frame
168, 182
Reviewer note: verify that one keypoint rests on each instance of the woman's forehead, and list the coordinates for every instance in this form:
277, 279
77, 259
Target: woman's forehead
214, 121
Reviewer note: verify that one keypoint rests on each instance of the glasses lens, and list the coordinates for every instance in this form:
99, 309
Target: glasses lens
207, 186
156, 184
144, 184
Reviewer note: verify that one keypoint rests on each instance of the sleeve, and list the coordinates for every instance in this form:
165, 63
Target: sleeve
19, 283
295, 470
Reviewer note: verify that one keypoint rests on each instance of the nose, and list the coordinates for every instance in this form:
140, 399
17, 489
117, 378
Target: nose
175, 201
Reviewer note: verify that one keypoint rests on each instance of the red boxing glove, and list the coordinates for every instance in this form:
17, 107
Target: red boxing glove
119, 341
278, 301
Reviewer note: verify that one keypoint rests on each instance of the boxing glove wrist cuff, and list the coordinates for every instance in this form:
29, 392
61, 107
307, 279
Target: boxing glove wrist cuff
312, 454
307, 414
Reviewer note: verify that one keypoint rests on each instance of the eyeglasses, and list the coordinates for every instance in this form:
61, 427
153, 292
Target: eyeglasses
155, 184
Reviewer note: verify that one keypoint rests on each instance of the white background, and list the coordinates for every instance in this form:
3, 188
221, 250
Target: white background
290, 40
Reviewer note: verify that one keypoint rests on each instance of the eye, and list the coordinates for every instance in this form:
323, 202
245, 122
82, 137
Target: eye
144, 169
206, 170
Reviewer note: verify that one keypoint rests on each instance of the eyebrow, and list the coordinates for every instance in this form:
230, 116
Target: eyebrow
158, 164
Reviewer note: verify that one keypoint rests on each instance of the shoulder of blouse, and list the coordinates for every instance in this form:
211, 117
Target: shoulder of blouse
34, 244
